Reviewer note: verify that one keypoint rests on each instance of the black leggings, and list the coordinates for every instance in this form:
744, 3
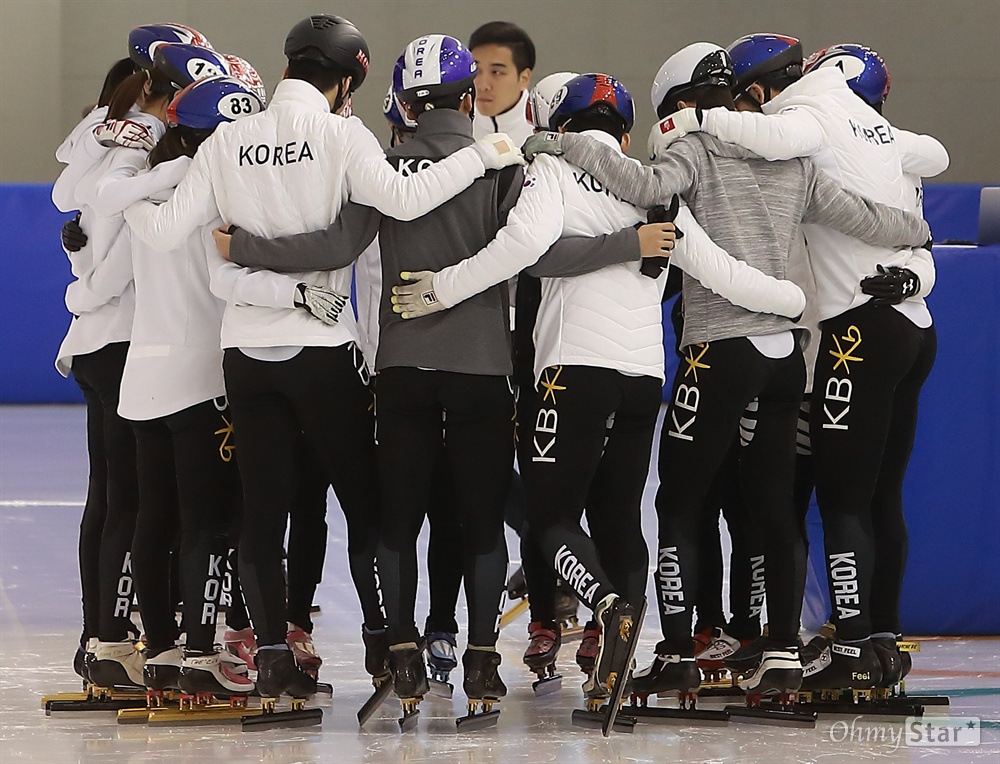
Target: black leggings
188, 484
872, 363
477, 450
746, 558
307, 531
108, 520
588, 444
321, 392
712, 388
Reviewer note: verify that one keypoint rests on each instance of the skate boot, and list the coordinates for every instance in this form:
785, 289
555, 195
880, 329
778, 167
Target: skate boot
819, 644
747, 657
667, 674
517, 586
440, 662
844, 666
242, 644
301, 643
117, 664
163, 671
218, 673
482, 686
890, 659
590, 645
778, 673
702, 639
544, 641
376, 652
82, 659
712, 655
409, 680
278, 673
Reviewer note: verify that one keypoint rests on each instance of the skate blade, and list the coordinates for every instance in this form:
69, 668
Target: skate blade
774, 717
514, 613
324, 688
547, 686
862, 709
209, 714
381, 694
63, 696
408, 721
94, 705
472, 722
924, 700
718, 691
595, 720
622, 679
701, 717
439, 689
256, 719
135, 715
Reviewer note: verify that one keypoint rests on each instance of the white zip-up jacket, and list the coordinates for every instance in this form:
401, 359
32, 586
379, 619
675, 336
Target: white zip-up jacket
514, 122
79, 152
288, 170
820, 117
102, 298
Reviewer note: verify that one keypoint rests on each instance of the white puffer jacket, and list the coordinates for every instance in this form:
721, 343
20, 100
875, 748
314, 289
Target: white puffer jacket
289, 170
820, 117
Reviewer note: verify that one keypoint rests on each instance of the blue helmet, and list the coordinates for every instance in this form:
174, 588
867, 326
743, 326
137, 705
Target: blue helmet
592, 91
757, 55
393, 112
206, 104
432, 66
863, 68
184, 64
144, 40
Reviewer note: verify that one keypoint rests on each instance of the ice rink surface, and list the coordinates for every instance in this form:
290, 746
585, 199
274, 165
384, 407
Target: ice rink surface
42, 484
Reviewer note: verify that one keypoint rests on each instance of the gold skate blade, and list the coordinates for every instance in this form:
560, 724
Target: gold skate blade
77, 696
216, 713
514, 613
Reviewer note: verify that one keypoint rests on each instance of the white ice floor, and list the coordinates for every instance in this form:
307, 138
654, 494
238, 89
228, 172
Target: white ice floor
42, 483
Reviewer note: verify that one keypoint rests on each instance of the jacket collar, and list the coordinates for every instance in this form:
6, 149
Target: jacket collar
605, 138
444, 121
817, 82
302, 93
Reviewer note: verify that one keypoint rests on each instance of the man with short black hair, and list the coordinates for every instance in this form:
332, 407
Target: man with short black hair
505, 56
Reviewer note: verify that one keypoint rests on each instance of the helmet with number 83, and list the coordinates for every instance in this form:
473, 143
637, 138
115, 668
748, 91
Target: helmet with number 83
206, 104
592, 92
863, 68
185, 64
144, 40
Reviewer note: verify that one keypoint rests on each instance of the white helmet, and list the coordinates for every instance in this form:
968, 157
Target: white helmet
539, 106
701, 63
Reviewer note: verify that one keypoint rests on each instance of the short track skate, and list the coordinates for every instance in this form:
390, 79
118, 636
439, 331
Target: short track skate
94, 700
267, 716
383, 689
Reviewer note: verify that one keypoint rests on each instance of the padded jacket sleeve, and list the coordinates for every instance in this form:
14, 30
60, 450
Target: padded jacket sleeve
792, 132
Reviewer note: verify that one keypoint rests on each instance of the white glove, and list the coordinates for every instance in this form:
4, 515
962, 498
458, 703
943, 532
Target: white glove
324, 304
418, 298
670, 128
497, 151
125, 132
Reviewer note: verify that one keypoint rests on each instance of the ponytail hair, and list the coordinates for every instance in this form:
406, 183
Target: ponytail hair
131, 89
117, 74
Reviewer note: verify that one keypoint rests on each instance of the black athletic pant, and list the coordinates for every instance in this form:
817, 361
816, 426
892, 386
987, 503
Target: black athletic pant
445, 558
712, 388
746, 558
477, 449
307, 532
188, 484
872, 363
321, 392
108, 520
588, 444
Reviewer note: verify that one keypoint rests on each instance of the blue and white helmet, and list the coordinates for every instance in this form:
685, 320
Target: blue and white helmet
394, 112
206, 104
863, 68
432, 66
592, 91
144, 40
185, 64
539, 106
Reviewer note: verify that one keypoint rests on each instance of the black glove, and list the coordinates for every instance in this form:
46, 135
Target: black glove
891, 286
653, 266
73, 237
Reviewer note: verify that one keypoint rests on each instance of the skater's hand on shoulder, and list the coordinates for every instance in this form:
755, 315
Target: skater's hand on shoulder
124, 132
324, 304
416, 298
223, 240
497, 151
670, 128
544, 143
